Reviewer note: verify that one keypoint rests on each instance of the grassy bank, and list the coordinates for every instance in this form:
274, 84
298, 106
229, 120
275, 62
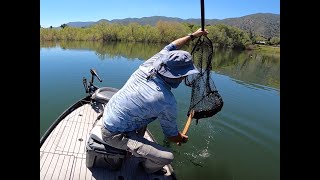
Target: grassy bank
267, 50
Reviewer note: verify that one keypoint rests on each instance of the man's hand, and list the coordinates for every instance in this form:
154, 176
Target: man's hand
182, 41
184, 139
199, 32
180, 138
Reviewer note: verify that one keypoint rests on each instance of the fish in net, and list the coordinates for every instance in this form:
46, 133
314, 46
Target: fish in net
205, 98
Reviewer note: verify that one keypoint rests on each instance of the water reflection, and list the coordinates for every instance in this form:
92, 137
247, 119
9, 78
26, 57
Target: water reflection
247, 66
240, 142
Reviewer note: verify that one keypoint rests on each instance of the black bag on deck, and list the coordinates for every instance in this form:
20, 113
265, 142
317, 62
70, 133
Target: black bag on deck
102, 155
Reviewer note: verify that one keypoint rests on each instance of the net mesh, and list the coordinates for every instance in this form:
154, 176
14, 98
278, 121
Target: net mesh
205, 98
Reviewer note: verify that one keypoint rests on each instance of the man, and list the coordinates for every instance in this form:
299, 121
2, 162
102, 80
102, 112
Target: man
145, 97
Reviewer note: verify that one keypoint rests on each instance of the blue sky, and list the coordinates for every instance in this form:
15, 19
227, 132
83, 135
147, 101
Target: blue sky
56, 12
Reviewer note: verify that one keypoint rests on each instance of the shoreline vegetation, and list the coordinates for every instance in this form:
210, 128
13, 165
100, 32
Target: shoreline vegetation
222, 36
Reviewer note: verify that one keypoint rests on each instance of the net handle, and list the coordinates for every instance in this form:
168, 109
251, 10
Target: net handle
202, 14
186, 127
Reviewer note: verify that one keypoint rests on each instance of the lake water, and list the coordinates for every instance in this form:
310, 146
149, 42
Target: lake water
241, 142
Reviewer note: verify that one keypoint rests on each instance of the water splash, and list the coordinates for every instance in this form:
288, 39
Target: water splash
204, 153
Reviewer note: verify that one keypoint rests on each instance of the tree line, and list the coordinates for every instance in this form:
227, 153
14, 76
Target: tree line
222, 36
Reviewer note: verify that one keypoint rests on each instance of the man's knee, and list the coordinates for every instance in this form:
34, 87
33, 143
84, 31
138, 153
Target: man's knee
167, 158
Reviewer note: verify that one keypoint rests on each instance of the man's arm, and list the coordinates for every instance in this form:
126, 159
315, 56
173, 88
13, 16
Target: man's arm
169, 125
182, 41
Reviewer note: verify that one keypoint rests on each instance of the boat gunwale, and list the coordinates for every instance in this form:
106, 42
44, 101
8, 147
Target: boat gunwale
79, 103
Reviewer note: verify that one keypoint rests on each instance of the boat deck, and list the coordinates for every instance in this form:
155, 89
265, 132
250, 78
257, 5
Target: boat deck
63, 154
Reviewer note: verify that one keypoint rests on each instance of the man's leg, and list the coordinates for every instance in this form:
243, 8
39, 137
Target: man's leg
141, 131
155, 155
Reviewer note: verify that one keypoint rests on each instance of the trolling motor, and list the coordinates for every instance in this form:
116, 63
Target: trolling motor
99, 96
94, 73
91, 88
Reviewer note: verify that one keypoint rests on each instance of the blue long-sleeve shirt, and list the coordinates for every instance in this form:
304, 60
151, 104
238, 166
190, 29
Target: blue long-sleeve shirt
141, 101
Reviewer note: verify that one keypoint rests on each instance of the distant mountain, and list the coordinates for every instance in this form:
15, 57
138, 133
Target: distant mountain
264, 24
143, 21
81, 24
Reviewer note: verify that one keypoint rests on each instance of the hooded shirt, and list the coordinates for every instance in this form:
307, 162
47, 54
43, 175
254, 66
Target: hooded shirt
142, 100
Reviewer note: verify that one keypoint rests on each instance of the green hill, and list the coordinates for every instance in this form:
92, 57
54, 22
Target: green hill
263, 24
